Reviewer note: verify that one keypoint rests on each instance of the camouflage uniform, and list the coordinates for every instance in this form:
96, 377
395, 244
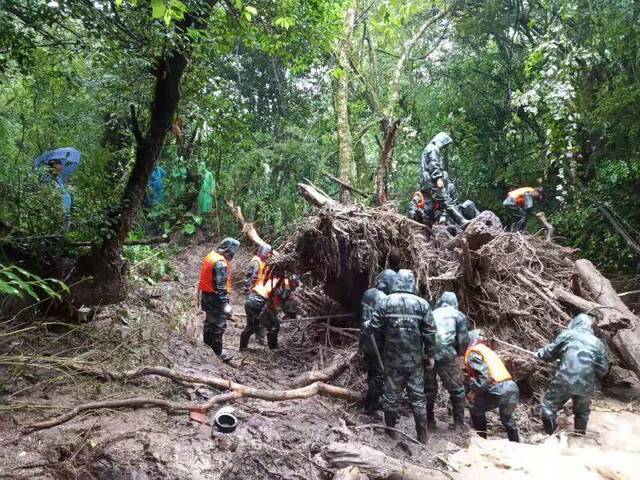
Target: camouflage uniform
582, 362
452, 340
371, 300
405, 332
254, 303
485, 395
216, 304
432, 168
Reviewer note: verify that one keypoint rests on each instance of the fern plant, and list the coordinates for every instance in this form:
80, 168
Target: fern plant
17, 282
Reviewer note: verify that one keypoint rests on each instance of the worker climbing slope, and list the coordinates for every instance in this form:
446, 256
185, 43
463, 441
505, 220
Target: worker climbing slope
372, 300
582, 362
452, 340
520, 203
489, 386
405, 333
214, 288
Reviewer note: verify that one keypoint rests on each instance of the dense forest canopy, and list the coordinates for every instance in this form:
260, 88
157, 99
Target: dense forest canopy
264, 94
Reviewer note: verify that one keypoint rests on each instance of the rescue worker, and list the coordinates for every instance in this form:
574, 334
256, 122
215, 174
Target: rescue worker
582, 362
419, 209
489, 386
371, 300
452, 340
214, 289
405, 333
520, 203
266, 301
256, 275
435, 177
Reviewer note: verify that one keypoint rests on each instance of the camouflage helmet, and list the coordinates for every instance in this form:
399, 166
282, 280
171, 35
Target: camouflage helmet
404, 282
385, 281
228, 247
447, 299
442, 139
264, 251
477, 336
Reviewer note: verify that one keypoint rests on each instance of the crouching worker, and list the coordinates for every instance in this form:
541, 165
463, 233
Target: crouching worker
520, 203
214, 289
371, 300
266, 300
452, 341
582, 364
405, 333
489, 386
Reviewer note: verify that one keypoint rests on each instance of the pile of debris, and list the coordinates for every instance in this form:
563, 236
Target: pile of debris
520, 288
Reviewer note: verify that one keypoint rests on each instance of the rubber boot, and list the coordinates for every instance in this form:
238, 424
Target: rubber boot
457, 216
431, 418
549, 425
244, 340
272, 340
260, 336
480, 425
458, 414
580, 425
390, 419
421, 427
216, 346
513, 435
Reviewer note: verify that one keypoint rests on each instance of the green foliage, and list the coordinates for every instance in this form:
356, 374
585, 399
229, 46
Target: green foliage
150, 264
17, 282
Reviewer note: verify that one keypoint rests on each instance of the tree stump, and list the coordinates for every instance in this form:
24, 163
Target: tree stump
482, 229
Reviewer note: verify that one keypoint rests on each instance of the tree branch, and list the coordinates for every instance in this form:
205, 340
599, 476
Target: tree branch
135, 126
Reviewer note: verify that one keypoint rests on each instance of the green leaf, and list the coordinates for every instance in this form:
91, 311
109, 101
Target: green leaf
118, 3
158, 8
189, 229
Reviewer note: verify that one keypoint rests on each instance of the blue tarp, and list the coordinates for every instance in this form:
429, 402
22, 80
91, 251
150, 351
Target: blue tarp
70, 158
155, 187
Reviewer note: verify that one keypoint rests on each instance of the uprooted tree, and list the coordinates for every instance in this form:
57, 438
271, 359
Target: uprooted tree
520, 288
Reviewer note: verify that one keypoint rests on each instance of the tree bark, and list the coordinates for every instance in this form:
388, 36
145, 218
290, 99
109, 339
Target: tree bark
346, 166
376, 464
626, 341
315, 197
349, 473
332, 371
547, 226
248, 228
384, 160
629, 240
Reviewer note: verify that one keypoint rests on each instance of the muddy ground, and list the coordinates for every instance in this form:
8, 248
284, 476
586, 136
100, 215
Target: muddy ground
160, 324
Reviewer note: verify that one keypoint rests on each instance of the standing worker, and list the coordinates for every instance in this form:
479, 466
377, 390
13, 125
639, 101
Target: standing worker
452, 340
489, 386
582, 364
371, 300
266, 301
435, 177
215, 288
520, 203
405, 333
256, 275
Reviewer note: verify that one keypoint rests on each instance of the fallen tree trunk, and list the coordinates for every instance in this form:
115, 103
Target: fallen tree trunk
376, 464
332, 371
248, 228
626, 341
314, 196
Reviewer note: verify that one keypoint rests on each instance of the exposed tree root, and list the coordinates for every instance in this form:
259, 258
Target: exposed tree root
331, 372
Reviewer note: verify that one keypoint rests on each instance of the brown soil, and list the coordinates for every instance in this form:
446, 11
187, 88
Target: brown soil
161, 324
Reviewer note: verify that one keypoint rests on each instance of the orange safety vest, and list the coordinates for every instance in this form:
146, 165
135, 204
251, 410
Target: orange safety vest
262, 270
265, 288
497, 371
420, 199
518, 195
206, 273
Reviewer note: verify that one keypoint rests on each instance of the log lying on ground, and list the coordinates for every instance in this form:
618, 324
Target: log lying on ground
376, 464
332, 371
350, 473
237, 390
626, 341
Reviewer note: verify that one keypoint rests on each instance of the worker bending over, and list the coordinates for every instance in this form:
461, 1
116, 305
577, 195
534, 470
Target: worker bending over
489, 386
256, 275
520, 203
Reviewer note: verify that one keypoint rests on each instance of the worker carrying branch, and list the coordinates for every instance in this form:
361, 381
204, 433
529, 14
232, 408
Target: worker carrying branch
214, 288
520, 203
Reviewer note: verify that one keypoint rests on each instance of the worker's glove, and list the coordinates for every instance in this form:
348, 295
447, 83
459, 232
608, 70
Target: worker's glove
227, 309
439, 182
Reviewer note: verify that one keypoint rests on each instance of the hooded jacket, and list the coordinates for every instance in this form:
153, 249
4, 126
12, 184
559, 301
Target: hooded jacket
403, 326
581, 356
452, 338
432, 166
